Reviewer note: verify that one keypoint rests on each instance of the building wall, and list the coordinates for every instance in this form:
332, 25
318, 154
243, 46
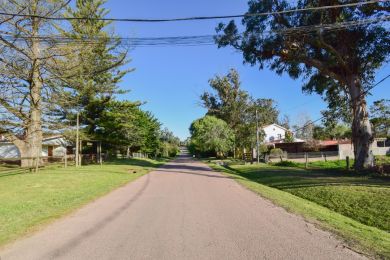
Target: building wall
273, 132
347, 150
9, 151
380, 150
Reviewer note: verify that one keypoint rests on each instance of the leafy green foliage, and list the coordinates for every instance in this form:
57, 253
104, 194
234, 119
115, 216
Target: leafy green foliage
237, 108
289, 137
276, 152
337, 132
380, 117
169, 146
124, 124
210, 134
286, 164
96, 74
337, 64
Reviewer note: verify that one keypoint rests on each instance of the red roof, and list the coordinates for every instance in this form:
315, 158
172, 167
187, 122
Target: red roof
334, 142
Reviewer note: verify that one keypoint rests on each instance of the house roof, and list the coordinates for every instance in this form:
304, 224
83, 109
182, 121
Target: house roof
48, 140
334, 142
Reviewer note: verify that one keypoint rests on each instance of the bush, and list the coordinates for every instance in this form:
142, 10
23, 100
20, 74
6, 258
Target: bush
276, 152
286, 164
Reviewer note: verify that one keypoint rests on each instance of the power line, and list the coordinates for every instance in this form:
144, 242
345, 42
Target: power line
195, 18
361, 95
195, 40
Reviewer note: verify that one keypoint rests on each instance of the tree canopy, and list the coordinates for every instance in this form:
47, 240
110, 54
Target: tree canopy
237, 108
380, 117
337, 51
210, 134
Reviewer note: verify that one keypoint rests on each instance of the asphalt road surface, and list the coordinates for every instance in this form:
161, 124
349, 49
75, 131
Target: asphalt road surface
180, 211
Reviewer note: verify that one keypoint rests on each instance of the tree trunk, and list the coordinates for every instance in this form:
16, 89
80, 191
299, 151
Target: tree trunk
31, 146
362, 136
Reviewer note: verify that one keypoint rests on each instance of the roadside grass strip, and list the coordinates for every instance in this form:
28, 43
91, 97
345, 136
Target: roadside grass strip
356, 208
29, 200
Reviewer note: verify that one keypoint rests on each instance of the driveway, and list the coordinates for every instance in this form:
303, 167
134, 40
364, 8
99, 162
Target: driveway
183, 210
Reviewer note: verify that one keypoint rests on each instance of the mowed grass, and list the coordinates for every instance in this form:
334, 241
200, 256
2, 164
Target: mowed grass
355, 207
28, 200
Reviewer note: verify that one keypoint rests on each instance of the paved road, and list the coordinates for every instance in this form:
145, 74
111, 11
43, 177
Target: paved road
181, 211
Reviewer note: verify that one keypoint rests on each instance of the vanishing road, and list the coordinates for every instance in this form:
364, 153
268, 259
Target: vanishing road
180, 211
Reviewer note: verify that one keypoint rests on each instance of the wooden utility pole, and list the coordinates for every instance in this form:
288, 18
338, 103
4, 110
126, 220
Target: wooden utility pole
77, 140
257, 139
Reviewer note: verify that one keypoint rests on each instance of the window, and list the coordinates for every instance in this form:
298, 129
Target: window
271, 139
279, 136
383, 143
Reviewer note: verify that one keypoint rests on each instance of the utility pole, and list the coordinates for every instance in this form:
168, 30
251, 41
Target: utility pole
77, 140
257, 139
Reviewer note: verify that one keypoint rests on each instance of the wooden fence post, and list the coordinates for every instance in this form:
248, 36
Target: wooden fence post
306, 160
347, 160
37, 164
65, 160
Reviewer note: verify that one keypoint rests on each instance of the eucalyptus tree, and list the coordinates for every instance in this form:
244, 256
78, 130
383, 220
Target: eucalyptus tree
237, 108
380, 117
336, 50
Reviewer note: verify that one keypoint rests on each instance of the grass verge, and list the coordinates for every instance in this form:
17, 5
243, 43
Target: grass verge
29, 200
312, 193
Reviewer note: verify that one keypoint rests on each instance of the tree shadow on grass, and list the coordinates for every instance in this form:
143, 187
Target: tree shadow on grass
203, 174
12, 170
290, 178
136, 162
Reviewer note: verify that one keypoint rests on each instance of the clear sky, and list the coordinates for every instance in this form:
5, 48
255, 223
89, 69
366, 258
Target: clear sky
171, 79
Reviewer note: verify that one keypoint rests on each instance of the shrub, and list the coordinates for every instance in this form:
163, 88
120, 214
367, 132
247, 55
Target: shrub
286, 164
276, 152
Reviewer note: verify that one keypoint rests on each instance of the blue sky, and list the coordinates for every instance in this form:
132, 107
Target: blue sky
171, 79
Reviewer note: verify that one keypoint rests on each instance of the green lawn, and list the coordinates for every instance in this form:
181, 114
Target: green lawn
28, 200
356, 207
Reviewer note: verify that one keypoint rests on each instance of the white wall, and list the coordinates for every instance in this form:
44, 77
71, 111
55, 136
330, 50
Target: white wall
8, 151
59, 151
273, 132
347, 150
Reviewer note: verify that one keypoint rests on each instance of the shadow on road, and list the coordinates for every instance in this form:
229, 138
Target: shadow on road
63, 250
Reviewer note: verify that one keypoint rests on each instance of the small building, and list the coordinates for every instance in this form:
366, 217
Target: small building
51, 146
274, 133
380, 146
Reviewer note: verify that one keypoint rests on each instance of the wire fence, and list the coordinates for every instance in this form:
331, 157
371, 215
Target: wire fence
13, 165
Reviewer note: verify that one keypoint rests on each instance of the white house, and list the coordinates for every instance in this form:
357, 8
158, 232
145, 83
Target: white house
274, 133
51, 146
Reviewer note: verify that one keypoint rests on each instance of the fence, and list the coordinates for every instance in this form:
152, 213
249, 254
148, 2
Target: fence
140, 155
8, 165
310, 156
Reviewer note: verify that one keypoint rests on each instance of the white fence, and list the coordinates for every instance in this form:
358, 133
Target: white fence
140, 155
311, 156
